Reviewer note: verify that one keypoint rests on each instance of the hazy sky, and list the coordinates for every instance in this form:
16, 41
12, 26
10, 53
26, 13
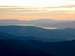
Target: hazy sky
38, 3
37, 9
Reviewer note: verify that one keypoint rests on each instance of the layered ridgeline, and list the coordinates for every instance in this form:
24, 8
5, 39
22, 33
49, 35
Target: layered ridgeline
46, 23
39, 33
36, 41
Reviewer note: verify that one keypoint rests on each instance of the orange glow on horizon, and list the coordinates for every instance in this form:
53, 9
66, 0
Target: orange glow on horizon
37, 13
27, 18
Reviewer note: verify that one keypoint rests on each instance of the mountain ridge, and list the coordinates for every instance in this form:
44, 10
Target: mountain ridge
41, 34
40, 22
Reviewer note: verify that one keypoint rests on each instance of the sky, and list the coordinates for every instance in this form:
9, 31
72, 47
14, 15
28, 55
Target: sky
37, 3
37, 9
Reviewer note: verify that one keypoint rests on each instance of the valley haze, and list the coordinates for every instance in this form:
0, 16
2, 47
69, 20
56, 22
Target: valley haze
44, 23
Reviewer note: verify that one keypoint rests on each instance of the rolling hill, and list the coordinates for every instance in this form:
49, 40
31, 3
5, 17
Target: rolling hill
33, 41
41, 22
40, 33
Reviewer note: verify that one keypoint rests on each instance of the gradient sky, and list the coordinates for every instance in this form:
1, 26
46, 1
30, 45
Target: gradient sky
37, 9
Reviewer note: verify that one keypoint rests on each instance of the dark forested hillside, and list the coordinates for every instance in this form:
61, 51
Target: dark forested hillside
13, 43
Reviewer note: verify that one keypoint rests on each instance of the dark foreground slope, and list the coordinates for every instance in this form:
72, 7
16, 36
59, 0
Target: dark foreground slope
24, 45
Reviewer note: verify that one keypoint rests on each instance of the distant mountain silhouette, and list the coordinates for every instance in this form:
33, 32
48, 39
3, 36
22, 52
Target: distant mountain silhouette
53, 23
11, 22
41, 22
